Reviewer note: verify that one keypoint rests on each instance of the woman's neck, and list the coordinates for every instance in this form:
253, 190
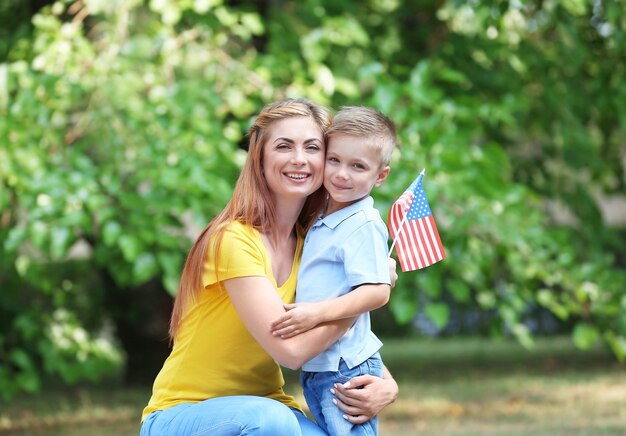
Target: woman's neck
281, 241
287, 213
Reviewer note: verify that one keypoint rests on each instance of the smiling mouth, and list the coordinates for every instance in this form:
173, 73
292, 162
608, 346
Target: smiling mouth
297, 176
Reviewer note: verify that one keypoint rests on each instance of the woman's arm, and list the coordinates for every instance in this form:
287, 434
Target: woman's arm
257, 303
365, 396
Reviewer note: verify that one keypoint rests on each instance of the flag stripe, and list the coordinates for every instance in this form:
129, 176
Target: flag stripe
432, 239
437, 240
431, 243
426, 238
416, 240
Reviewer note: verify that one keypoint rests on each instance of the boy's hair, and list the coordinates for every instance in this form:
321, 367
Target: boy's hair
369, 124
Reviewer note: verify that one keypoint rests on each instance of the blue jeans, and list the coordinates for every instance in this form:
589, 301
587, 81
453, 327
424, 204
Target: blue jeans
230, 416
329, 417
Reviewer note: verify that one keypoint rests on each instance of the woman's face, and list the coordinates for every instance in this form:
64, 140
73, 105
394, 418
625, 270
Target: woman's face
293, 158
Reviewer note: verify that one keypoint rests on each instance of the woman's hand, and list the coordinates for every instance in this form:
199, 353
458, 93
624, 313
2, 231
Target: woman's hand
365, 396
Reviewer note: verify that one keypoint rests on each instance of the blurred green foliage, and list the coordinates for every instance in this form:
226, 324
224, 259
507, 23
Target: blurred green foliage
121, 125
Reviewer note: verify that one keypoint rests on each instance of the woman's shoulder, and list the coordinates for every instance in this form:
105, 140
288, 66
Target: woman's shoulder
239, 227
241, 231
240, 253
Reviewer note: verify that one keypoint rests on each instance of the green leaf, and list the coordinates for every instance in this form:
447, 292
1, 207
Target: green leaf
145, 267
171, 284
459, 290
59, 241
15, 237
617, 344
28, 380
403, 306
486, 299
585, 335
575, 7
522, 334
111, 231
439, 314
130, 246
20, 358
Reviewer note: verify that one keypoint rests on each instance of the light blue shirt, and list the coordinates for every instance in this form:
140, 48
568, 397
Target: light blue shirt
343, 250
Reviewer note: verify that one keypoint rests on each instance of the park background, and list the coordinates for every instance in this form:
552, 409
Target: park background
122, 131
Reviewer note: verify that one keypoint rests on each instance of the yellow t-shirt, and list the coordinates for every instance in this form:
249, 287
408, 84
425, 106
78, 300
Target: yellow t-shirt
214, 355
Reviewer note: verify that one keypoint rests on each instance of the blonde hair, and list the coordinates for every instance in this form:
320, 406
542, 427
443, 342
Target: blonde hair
251, 202
367, 123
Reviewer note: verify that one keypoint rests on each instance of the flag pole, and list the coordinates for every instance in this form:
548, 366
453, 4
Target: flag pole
401, 227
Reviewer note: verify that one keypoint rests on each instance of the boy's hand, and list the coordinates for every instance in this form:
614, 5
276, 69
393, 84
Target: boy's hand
393, 274
299, 318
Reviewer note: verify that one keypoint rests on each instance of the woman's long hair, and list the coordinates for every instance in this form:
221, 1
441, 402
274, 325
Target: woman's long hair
251, 202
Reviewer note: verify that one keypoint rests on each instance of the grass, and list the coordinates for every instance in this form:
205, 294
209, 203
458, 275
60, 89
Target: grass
474, 387
460, 386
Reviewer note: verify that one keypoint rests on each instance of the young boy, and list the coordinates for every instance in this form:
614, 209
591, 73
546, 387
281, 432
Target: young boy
344, 271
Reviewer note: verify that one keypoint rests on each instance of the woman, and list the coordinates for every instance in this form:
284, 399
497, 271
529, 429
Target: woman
222, 376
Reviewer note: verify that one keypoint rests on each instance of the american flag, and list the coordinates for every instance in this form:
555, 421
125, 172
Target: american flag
413, 230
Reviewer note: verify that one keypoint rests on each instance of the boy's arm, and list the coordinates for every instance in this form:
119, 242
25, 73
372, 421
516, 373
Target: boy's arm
301, 317
363, 298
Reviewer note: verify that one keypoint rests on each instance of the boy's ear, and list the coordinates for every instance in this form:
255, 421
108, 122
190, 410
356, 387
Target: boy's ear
382, 175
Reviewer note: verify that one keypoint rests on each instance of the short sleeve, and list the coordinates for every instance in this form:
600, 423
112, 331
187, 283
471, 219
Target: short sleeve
365, 254
241, 254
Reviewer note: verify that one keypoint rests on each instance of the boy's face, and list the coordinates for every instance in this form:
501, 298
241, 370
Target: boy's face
352, 169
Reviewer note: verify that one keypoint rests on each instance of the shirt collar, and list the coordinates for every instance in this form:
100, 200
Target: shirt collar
334, 219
